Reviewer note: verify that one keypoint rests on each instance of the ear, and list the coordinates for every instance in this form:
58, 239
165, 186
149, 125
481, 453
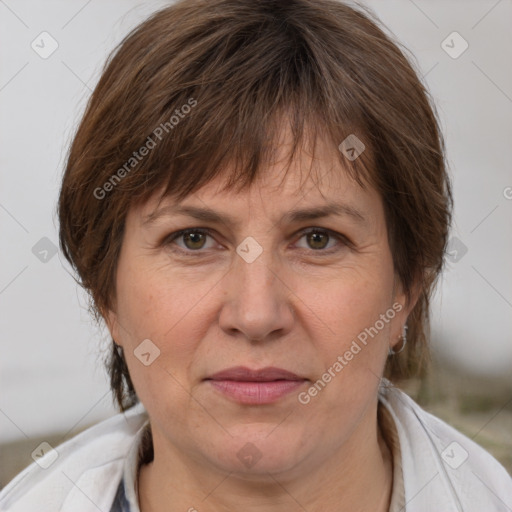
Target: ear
399, 297
110, 318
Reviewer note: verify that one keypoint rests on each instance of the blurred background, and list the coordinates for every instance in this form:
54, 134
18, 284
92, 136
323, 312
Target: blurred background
52, 381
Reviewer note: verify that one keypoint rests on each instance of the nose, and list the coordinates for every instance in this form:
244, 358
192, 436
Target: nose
256, 301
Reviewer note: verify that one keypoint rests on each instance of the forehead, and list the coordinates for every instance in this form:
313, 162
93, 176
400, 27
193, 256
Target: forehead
314, 177
360, 209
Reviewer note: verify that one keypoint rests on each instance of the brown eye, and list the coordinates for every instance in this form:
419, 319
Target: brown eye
189, 241
194, 239
324, 241
317, 240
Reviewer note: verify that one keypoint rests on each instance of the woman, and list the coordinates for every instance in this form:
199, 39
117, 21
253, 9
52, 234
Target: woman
256, 200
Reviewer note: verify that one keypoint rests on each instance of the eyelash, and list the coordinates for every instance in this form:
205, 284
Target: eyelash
194, 253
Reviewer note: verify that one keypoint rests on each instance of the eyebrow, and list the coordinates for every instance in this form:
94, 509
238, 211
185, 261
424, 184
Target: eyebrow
297, 215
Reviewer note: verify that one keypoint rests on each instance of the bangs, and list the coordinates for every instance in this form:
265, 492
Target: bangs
222, 115
241, 153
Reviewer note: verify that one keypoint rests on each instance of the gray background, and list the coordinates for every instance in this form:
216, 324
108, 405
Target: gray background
51, 373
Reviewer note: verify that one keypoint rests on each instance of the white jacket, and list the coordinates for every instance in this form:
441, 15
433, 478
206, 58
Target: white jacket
443, 470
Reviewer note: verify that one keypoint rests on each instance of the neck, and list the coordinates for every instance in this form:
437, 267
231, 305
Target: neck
357, 477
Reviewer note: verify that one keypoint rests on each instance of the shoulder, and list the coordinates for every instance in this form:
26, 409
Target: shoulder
80, 474
441, 466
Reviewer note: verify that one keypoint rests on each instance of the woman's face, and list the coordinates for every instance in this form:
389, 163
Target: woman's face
258, 291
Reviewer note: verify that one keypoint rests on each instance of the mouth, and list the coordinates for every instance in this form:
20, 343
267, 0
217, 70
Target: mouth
256, 387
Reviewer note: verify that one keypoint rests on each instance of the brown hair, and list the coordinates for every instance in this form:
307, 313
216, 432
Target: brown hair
204, 85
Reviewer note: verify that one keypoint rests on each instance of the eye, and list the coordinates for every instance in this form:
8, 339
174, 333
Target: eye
193, 240
318, 239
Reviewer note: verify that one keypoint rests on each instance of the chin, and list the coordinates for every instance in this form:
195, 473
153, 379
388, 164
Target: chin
254, 451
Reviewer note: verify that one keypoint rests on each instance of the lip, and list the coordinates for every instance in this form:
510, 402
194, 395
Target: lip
242, 373
256, 387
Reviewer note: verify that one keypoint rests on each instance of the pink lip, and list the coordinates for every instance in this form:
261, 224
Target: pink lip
242, 373
255, 386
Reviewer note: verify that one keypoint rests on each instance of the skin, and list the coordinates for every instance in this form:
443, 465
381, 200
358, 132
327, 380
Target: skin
298, 306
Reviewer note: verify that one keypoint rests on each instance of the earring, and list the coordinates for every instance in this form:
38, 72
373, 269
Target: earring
392, 351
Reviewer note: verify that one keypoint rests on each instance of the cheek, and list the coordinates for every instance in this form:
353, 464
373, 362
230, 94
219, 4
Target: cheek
152, 304
357, 335
358, 309
175, 313
353, 300
154, 301
350, 309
